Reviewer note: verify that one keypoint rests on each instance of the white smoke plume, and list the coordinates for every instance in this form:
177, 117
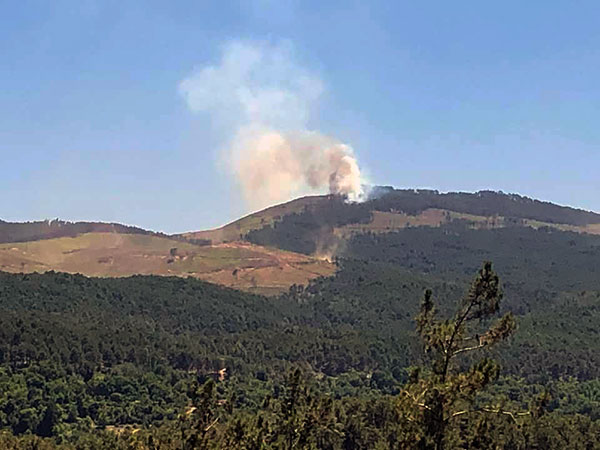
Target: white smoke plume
263, 100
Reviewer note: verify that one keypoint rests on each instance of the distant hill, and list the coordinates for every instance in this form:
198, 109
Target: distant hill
273, 249
48, 229
325, 222
482, 203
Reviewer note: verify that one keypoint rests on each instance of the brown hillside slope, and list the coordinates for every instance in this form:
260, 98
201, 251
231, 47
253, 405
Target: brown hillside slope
235, 231
238, 265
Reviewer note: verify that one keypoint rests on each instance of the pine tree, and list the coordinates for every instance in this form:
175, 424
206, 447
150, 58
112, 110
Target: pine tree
434, 399
197, 424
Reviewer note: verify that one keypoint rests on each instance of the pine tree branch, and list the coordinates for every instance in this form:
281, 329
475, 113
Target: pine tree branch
448, 351
417, 400
508, 413
512, 415
468, 349
211, 425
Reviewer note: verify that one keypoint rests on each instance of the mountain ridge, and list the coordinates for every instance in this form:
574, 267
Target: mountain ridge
271, 250
381, 198
328, 222
485, 203
48, 229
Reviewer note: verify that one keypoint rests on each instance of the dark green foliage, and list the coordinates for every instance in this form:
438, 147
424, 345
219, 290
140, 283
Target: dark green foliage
312, 229
528, 259
483, 203
444, 396
552, 283
80, 355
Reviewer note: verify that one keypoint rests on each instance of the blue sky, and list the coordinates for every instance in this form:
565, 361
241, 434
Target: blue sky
463, 95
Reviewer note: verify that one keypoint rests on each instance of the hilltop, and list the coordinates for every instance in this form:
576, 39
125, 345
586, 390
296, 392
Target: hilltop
271, 250
239, 228
47, 229
320, 224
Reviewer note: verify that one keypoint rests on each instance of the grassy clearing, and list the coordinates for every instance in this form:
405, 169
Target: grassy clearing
383, 222
239, 265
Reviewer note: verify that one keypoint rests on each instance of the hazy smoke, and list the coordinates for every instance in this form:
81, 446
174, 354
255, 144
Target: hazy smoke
263, 100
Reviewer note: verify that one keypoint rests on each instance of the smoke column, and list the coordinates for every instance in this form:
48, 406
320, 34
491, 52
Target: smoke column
261, 101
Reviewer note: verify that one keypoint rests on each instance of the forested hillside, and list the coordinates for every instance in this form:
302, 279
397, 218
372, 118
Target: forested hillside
81, 355
165, 362
483, 203
314, 228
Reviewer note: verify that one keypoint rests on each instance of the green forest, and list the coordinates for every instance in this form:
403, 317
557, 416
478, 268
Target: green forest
307, 230
414, 343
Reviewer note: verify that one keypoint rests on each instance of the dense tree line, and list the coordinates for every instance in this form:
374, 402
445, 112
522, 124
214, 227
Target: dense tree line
311, 230
299, 416
483, 203
134, 363
109, 363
